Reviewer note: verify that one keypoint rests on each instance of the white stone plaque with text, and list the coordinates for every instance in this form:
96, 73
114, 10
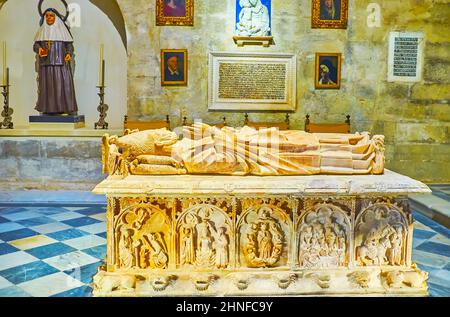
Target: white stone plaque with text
252, 81
405, 56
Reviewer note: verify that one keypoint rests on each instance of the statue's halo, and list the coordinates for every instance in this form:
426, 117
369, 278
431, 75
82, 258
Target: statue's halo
41, 14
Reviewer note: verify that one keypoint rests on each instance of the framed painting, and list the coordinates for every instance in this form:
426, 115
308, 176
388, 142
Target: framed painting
174, 65
328, 71
175, 12
329, 14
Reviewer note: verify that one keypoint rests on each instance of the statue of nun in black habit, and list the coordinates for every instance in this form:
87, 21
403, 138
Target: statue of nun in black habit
53, 45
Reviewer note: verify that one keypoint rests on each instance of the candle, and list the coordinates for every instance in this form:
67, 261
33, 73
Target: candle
101, 72
4, 63
7, 76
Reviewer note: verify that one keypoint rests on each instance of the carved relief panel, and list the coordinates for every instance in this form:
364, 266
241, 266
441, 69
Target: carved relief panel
324, 237
204, 237
264, 233
142, 237
381, 235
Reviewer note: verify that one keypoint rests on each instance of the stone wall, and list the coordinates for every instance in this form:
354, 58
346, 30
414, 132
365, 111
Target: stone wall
50, 163
414, 117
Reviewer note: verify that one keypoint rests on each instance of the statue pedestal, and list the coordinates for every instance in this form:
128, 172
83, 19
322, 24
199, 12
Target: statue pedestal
259, 236
57, 122
265, 41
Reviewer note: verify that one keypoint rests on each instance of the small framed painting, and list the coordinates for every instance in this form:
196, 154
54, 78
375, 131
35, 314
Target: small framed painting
174, 65
329, 14
175, 12
328, 71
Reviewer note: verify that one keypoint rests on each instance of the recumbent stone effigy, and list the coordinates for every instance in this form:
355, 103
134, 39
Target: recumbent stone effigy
255, 212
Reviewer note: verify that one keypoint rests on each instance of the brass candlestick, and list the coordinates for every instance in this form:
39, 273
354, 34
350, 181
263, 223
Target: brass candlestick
7, 111
102, 108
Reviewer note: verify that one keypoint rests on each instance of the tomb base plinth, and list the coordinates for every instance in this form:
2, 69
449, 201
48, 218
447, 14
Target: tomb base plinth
259, 236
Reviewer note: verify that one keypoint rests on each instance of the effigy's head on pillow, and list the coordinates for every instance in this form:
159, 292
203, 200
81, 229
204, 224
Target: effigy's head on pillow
146, 142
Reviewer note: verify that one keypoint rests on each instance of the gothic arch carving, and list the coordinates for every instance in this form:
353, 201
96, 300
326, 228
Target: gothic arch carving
381, 235
263, 236
204, 237
324, 237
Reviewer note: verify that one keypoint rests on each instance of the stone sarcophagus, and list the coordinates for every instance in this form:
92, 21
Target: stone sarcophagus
251, 235
255, 212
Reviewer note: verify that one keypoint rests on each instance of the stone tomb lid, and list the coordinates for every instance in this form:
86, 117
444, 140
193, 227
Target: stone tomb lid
389, 183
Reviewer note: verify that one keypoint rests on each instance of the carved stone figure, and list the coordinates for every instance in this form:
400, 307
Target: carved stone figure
203, 238
395, 252
323, 236
254, 19
126, 257
158, 254
399, 279
205, 252
380, 232
187, 248
221, 244
264, 241
105, 285
242, 151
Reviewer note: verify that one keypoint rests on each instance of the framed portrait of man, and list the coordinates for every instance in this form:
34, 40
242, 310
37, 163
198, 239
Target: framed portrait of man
329, 14
175, 12
174, 65
328, 71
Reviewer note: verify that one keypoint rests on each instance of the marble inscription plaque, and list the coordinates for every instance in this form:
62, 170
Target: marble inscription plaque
252, 81
405, 57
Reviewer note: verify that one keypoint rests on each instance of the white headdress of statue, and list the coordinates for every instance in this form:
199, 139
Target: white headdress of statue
59, 31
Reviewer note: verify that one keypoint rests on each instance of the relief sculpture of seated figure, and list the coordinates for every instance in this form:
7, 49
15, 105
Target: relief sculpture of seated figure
242, 151
254, 19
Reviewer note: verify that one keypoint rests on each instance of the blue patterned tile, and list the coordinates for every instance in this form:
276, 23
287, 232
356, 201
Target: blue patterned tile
33, 222
51, 250
67, 234
438, 290
98, 252
436, 248
83, 291
13, 291
91, 210
85, 273
432, 224
12, 210
51, 210
6, 248
79, 222
423, 234
27, 272
417, 242
9, 226
22, 215
103, 235
17, 234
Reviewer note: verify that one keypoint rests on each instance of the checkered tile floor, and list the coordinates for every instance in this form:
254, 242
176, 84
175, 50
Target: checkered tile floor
50, 251
55, 251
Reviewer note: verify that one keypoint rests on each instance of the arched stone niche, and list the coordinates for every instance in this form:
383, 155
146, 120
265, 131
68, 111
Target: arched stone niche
101, 22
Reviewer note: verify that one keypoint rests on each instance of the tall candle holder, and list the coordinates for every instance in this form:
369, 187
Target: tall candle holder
7, 111
102, 108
